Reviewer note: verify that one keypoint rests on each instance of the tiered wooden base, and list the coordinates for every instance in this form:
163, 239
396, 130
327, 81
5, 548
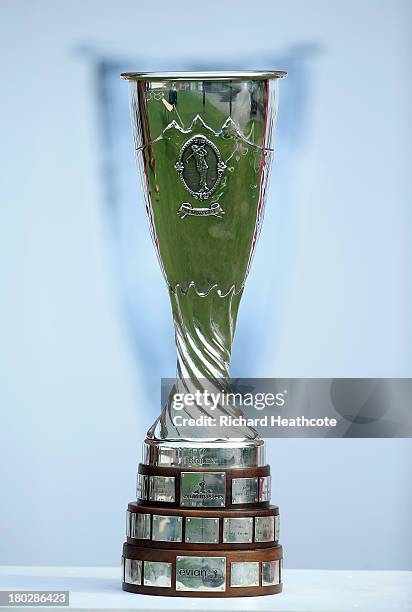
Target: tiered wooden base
198, 532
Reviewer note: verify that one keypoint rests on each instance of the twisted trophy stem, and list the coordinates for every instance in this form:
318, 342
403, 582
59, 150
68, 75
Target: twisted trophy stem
204, 330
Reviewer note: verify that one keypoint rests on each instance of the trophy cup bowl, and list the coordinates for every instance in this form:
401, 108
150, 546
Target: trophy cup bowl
202, 523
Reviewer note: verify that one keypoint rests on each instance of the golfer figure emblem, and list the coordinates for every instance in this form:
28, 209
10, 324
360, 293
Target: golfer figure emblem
200, 168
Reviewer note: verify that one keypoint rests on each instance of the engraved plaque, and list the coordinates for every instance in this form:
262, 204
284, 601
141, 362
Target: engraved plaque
264, 488
270, 573
141, 488
238, 529
264, 529
244, 574
162, 488
277, 524
157, 574
203, 489
202, 530
244, 490
132, 571
140, 526
200, 573
167, 528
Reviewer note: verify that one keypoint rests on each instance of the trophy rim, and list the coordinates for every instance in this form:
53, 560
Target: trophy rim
217, 75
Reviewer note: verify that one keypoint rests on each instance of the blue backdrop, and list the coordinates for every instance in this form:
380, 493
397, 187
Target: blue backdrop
85, 326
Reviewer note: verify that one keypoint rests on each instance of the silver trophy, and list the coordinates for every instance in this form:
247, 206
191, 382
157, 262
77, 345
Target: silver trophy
204, 148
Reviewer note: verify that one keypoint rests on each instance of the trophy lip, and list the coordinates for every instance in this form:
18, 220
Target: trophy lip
216, 75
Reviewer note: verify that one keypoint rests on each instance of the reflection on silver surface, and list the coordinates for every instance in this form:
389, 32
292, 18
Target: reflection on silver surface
140, 526
277, 525
264, 529
202, 454
128, 520
264, 488
244, 490
244, 574
167, 528
162, 488
132, 571
205, 263
141, 487
157, 574
202, 489
202, 530
200, 573
238, 529
270, 573
219, 75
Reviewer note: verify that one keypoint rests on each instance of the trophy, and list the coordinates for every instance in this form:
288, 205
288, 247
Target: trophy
203, 524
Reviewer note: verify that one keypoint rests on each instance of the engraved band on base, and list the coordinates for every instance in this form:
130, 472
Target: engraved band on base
228, 529
248, 454
174, 573
200, 488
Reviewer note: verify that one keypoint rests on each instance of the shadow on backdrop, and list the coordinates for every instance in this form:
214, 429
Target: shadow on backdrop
138, 282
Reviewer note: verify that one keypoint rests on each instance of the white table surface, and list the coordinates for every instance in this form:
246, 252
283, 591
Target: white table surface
99, 588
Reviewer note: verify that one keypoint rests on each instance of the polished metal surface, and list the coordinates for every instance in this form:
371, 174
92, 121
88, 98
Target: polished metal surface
203, 454
221, 75
244, 574
157, 574
238, 530
202, 530
204, 144
202, 489
128, 521
244, 490
140, 526
264, 529
166, 528
270, 573
265, 483
277, 525
162, 488
132, 571
142, 486
200, 573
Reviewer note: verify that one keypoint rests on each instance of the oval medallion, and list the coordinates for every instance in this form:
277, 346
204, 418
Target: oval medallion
200, 167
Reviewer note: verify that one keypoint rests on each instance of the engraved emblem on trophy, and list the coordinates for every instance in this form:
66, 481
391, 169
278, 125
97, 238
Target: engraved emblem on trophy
203, 523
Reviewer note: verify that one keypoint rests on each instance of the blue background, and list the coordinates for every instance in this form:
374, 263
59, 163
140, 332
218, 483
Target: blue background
85, 327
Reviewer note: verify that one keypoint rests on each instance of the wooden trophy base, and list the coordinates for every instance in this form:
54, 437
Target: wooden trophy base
203, 573
197, 532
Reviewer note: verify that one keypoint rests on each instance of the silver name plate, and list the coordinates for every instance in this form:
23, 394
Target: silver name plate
244, 490
264, 488
162, 488
203, 489
277, 525
132, 571
167, 528
202, 530
264, 529
244, 574
238, 529
200, 573
270, 573
141, 486
139, 526
157, 574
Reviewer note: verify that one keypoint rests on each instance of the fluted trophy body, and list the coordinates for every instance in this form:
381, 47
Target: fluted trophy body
203, 522
204, 147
